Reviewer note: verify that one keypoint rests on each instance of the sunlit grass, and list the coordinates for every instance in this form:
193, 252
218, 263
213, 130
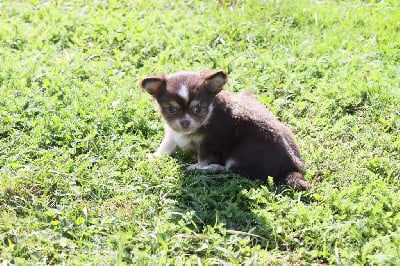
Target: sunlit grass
75, 183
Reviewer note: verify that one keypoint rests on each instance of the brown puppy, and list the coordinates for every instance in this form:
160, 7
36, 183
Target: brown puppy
227, 131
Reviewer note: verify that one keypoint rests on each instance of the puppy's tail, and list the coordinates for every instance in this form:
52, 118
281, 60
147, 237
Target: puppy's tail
295, 180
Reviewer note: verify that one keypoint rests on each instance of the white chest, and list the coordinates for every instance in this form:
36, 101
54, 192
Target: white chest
186, 141
181, 140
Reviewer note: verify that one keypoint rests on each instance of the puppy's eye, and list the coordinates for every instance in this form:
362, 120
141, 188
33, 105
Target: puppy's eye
171, 110
197, 109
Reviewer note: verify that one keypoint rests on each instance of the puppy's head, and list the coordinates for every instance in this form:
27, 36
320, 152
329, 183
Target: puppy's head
185, 98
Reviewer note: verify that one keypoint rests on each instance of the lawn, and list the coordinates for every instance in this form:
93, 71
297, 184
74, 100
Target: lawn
76, 187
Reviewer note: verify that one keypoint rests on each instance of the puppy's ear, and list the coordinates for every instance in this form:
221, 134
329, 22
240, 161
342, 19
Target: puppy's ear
153, 85
215, 81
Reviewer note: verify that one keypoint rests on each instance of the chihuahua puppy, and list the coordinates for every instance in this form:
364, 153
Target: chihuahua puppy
227, 131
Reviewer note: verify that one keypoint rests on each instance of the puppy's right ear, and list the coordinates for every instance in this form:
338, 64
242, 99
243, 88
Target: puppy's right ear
153, 85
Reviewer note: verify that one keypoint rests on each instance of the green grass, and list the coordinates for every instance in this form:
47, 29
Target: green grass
76, 187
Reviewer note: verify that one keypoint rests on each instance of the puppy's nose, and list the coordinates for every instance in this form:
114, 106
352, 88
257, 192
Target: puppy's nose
184, 123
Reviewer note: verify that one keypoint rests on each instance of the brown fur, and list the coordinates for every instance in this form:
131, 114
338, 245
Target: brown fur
233, 131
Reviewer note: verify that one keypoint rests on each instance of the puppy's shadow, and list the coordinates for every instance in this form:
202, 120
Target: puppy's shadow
227, 199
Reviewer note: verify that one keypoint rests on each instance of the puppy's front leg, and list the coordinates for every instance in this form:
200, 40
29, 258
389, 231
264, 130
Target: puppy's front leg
207, 162
167, 146
212, 168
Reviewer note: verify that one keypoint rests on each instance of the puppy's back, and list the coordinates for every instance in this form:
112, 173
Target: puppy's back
264, 146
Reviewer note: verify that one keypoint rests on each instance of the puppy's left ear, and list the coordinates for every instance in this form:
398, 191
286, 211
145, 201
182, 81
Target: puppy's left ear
216, 80
153, 85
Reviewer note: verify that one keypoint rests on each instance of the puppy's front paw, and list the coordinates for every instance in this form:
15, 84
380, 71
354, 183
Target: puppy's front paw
193, 167
154, 155
214, 168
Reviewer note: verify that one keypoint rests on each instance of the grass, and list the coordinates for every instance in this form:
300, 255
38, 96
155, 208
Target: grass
76, 187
